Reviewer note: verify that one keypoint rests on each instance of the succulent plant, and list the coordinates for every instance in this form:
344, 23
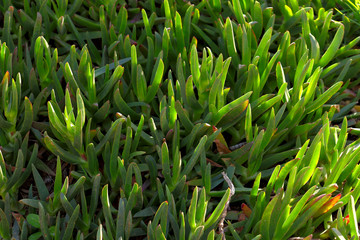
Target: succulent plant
179, 119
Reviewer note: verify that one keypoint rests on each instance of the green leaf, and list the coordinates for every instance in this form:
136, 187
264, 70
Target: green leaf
141, 85
6, 33
215, 216
294, 213
265, 229
248, 125
187, 25
230, 42
102, 70
193, 209
166, 164
300, 222
56, 122
323, 98
159, 234
43, 222
74, 30
106, 210
33, 220
161, 216
109, 85
196, 235
240, 102
255, 155
206, 38
17, 173
146, 24
95, 190
255, 189
28, 117
75, 188
65, 155
71, 224
35, 236
92, 159
201, 208
115, 151
126, 151
253, 82
315, 155
154, 87
238, 11
354, 228
337, 233
334, 46
40, 184
4, 225
58, 182
183, 116
194, 157
123, 107
194, 66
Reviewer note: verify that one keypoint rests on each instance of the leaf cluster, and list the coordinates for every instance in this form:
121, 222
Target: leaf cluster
179, 120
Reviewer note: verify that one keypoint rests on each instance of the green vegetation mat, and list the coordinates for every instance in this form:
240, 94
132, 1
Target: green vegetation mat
176, 119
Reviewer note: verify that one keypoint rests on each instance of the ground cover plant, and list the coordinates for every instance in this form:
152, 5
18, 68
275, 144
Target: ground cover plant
179, 119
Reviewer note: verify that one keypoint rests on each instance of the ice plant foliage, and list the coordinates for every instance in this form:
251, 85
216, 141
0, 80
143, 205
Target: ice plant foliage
179, 119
